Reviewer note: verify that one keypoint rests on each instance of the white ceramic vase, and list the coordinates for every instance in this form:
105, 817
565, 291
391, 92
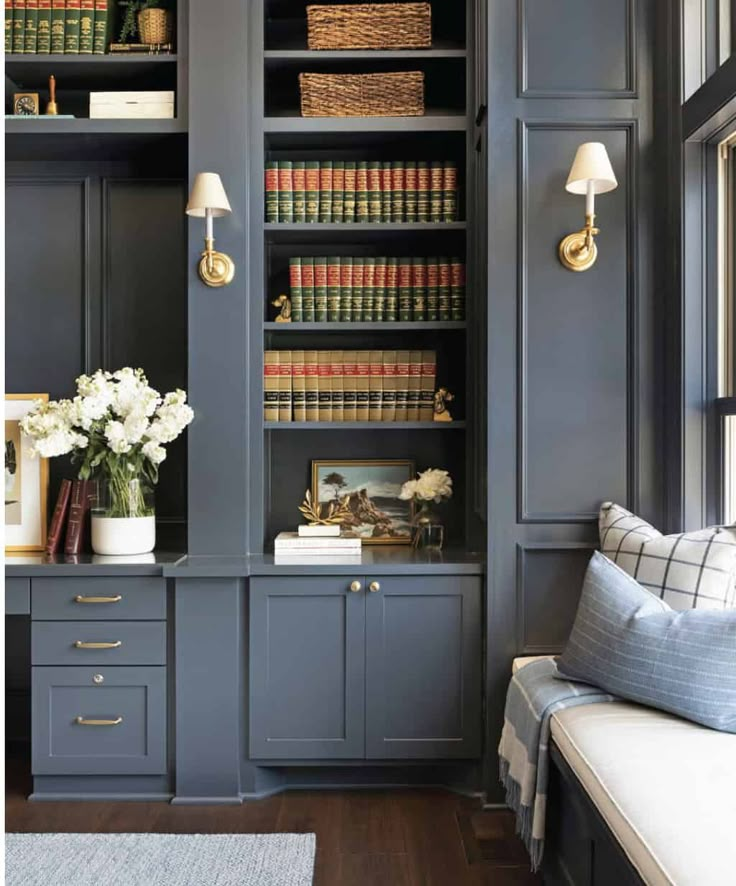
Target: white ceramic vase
123, 536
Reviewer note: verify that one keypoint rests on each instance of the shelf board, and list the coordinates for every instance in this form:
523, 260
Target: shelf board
385, 326
294, 52
91, 60
85, 126
364, 425
437, 120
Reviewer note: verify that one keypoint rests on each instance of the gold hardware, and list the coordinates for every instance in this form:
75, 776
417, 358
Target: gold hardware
98, 678
578, 251
82, 721
355, 586
80, 599
374, 587
84, 644
52, 108
215, 268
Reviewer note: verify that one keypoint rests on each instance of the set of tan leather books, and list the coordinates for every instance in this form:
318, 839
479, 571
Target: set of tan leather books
340, 386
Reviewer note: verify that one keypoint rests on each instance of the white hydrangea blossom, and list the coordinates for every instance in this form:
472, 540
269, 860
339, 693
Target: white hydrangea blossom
431, 485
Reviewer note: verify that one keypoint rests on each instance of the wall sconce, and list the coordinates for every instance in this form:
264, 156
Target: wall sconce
209, 200
591, 174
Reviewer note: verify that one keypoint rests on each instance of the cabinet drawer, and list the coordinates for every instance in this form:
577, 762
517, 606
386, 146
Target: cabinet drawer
79, 643
98, 598
17, 596
99, 721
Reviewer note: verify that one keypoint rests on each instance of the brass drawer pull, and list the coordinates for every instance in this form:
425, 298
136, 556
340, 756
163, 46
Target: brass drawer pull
86, 644
355, 587
374, 587
81, 599
82, 721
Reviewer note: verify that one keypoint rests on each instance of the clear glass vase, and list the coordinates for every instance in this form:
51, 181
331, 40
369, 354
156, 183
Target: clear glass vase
429, 532
123, 516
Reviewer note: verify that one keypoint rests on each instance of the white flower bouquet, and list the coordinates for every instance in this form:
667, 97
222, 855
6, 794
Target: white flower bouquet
116, 428
431, 485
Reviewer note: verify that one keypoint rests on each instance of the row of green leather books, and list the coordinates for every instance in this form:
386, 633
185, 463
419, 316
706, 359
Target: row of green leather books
58, 27
343, 289
361, 191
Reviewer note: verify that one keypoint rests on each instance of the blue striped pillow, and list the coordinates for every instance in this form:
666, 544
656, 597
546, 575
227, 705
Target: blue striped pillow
631, 643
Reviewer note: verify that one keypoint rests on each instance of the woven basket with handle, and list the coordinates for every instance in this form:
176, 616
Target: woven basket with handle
153, 25
370, 26
399, 94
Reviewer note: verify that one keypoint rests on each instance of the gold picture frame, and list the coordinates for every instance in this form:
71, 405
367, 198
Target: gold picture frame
28, 530
376, 482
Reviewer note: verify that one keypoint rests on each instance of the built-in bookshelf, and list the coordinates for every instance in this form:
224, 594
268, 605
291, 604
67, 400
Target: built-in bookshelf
281, 454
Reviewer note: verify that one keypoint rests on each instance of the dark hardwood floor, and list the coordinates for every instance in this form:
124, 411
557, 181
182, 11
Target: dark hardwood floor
364, 838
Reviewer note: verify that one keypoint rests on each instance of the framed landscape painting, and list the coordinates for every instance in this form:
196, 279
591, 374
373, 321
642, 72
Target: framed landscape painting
377, 514
26, 481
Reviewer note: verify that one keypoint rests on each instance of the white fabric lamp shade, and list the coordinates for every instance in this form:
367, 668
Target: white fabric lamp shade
591, 164
208, 193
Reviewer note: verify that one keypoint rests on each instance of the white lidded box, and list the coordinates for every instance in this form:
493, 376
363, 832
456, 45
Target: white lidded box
131, 105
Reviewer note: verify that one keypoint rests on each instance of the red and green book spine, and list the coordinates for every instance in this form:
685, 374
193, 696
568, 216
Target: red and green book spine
433, 289
333, 289
312, 190
43, 41
449, 191
405, 293
286, 191
410, 187
423, 191
99, 40
30, 40
419, 289
379, 291
444, 287
369, 289
338, 191
374, 191
58, 26
398, 184
346, 289
457, 289
71, 27
308, 289
299, 181
19, 26
320, 289
436, 193
86, 27
272, 190
386, 192
325, 191
361, 192
297, 293
392, 290
358, 279
349, 198
8, 26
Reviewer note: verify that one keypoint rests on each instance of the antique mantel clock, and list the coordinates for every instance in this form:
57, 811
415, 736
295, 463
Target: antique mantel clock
25, 104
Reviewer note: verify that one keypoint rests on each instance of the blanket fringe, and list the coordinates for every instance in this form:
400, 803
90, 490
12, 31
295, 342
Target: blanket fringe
524, 815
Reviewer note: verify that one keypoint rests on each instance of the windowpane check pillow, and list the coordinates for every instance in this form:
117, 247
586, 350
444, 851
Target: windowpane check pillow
692, 570
632, 644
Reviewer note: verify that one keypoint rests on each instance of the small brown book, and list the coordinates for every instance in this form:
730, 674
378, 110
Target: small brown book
82, 497
53, 539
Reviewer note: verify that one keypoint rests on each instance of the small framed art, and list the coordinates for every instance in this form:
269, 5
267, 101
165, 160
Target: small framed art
377, 514
26, 480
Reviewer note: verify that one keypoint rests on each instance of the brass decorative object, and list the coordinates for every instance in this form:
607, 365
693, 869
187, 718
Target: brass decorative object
52, 109
208, 200
215, 268
336, 513
578, 251
441, 398
284, 303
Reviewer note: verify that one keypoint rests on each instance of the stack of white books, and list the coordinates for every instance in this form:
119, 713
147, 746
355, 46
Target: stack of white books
317, 548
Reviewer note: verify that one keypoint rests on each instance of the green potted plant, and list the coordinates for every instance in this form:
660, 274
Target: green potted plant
147, 18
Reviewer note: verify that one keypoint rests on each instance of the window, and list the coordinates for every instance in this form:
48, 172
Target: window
726, 403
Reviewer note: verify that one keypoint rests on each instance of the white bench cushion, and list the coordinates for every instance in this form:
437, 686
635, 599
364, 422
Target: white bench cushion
665, 787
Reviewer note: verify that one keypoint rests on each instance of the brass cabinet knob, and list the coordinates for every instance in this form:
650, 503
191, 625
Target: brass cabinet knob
355, 586
374, 587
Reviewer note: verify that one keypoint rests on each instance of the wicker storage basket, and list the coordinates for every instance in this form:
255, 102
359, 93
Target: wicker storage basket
370, 26
153, 25
399, 94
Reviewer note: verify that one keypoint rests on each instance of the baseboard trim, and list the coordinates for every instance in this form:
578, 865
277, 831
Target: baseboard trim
207, 801
42, 797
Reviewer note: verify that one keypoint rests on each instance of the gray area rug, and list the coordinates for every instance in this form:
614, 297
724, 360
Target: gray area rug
159, 859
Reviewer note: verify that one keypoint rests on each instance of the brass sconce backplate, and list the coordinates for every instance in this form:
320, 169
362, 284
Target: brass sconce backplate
578, 251
216, 269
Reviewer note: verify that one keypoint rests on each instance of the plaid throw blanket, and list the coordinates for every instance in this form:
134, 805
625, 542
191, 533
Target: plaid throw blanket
535, 693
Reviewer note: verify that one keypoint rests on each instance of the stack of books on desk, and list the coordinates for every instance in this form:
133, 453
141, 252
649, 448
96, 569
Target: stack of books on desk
294, 547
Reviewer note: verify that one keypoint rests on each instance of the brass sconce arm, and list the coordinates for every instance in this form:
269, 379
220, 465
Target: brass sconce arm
578, 251
215, 268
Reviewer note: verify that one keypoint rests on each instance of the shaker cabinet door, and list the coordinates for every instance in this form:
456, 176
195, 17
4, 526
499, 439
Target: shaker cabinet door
307, 668
423, 667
